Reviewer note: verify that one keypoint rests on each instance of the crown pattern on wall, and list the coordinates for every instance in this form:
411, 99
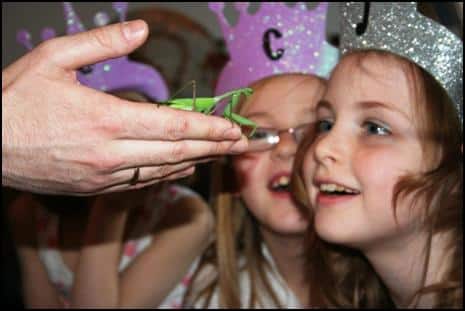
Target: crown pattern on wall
276, 39
117, 74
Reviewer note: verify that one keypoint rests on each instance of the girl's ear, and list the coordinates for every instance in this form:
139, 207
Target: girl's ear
232, 179
224, 178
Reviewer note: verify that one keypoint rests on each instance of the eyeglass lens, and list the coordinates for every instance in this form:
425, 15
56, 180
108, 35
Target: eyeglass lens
266, 138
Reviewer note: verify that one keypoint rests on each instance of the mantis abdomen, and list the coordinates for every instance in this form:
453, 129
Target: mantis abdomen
202, 104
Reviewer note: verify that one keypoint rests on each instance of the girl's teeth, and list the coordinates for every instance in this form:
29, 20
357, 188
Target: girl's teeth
283, 180
340, 189
333, 188
328, 187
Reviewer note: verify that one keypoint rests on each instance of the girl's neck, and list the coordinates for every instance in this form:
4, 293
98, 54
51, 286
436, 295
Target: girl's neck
288, 254
401, 267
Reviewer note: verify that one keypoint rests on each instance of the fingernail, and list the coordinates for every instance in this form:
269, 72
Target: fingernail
133, 30
240, 146
233, 133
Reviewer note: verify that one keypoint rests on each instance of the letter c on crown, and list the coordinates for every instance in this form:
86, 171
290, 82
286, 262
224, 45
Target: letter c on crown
267, 44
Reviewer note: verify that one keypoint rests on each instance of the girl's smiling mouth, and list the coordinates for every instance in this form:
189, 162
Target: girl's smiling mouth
331, 193
279, 184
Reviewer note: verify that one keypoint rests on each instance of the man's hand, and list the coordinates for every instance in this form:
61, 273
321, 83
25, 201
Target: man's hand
60, 137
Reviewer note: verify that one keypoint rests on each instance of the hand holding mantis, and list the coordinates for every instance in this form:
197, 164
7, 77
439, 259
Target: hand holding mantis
59, 137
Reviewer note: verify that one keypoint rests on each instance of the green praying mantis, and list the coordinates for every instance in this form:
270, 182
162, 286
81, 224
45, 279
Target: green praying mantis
207, 105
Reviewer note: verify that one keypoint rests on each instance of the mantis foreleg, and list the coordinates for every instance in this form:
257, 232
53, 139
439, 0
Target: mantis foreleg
243, 121
229, 107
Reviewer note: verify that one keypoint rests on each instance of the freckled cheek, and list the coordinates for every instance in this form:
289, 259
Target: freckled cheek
377, 175
250, 178
245, 168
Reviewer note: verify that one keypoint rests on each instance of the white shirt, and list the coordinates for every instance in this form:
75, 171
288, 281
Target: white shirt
283, 293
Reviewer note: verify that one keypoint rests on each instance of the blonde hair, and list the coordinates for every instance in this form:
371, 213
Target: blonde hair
344, 275
237, 235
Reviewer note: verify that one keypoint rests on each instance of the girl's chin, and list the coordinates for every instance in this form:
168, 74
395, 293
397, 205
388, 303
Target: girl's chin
281, 195
336, 233
296, 225
292, 231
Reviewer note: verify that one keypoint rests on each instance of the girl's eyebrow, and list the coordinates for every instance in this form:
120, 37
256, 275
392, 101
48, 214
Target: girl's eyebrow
376, 105
260, 116
365, 105
257, 114
323, 104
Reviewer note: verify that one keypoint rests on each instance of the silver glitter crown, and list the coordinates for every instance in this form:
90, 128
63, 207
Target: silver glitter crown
400, 29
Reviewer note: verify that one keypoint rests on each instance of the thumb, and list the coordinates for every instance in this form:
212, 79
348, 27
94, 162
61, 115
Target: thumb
93, 46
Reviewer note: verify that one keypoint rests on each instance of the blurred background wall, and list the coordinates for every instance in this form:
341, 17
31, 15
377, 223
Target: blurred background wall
185, 42
181, 56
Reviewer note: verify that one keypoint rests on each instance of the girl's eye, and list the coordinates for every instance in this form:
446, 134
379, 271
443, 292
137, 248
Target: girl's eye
323, 126
260, 133
376, 129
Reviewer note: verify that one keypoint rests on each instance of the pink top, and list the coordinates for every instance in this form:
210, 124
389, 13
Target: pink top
47, 228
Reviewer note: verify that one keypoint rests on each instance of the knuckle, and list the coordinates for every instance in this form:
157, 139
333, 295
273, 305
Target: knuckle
102, 162
217, 148
104, 39
47, 49
109, 123
79, 181
84, 187
157, 173
100, 180
178, 151
89, 184
184, 173
178, 128
96, 182
211, 132
163, 171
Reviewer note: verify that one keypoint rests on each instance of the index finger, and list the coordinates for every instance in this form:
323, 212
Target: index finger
147, 121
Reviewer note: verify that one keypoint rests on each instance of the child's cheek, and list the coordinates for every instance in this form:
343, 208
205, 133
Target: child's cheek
245, 166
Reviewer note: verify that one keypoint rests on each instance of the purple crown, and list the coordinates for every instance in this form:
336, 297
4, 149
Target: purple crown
117, 74
276, 39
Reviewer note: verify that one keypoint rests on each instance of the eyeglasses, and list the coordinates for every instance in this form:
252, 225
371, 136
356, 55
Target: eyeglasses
267, 138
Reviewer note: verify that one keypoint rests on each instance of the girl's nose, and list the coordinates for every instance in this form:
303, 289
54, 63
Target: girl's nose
286, 148
327, 148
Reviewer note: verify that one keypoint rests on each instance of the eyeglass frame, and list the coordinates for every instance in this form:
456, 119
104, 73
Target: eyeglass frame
273, 141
